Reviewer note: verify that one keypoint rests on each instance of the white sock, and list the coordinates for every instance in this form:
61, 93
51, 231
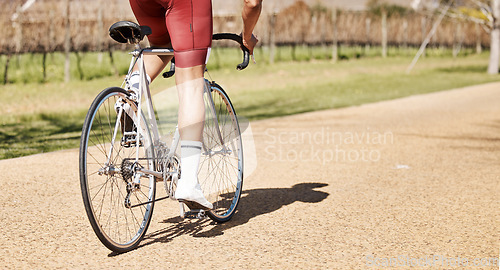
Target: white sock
190, 161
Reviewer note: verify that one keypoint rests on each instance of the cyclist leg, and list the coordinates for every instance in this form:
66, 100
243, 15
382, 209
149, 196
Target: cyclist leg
191, 119
190, 84
190, 28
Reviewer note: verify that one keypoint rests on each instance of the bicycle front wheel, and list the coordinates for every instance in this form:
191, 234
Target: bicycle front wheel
221, 166
118, 200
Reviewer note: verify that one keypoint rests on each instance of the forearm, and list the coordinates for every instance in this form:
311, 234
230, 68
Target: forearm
250, 14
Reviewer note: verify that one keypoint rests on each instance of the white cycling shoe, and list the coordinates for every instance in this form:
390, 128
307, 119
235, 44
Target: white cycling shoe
188, 188
192, 196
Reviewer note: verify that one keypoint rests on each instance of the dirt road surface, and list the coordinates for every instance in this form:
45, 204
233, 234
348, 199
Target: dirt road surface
414, 181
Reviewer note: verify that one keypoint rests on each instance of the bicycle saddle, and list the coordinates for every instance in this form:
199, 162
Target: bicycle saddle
128, 32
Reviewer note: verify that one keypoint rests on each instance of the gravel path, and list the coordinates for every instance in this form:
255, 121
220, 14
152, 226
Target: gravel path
402, 182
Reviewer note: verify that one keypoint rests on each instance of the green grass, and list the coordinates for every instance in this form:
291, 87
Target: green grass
295, 87
28, 68
41, 117
40, 133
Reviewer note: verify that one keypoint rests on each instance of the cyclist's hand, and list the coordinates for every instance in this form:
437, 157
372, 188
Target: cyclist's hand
250, 42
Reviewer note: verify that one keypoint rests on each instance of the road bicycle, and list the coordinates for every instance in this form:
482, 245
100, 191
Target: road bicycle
123, 156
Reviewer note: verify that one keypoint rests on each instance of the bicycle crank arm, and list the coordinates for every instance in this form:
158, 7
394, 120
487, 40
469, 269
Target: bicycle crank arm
220, 152
153, 173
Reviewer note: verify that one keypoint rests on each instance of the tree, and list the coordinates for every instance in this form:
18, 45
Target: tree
495, 38
384, 10
67, 41
487, 14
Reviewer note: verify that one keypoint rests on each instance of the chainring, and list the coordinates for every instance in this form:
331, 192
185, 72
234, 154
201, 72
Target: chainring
171, 175
170, 168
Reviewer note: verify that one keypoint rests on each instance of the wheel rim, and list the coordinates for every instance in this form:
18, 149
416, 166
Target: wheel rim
221, 166
106, 189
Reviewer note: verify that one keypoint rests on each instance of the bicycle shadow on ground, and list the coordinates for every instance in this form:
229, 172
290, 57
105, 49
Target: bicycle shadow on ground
253, 203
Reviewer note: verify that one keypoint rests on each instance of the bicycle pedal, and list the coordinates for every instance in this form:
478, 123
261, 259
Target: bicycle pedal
195, 214
130, 140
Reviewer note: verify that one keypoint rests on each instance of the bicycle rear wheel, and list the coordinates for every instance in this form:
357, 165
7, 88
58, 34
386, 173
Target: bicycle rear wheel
119, 209
221, 166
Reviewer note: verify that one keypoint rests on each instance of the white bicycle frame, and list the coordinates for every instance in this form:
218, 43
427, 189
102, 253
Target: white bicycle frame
144, 90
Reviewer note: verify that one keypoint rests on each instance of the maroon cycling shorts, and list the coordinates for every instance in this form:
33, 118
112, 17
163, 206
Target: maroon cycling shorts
186, 24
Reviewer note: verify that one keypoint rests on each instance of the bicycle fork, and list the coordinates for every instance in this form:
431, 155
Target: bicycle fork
208, 92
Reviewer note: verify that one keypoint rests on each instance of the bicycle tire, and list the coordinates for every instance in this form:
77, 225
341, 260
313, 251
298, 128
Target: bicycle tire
104, 186
221, 171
